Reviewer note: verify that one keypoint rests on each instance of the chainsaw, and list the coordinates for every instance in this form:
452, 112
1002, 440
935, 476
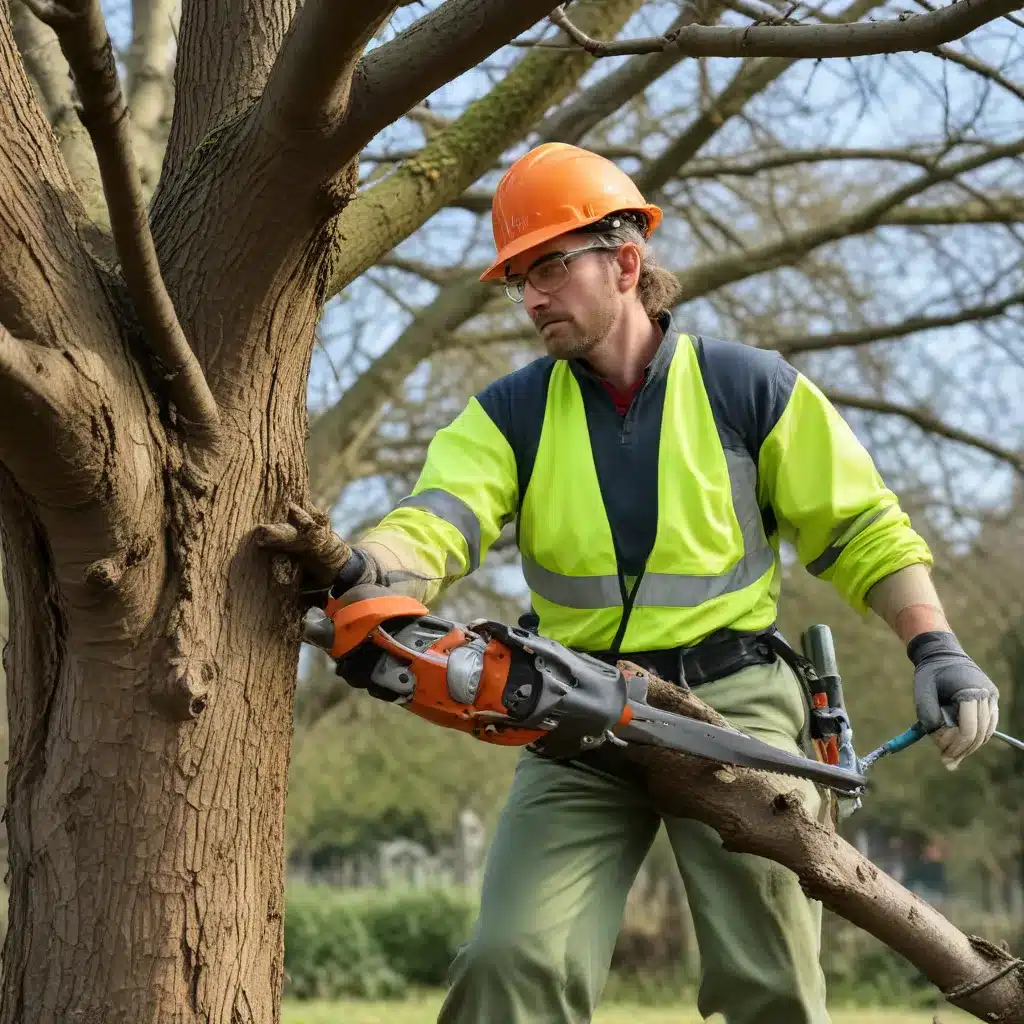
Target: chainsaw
505, 685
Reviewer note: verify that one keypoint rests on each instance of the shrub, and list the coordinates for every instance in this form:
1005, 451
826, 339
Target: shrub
328, 951
371, 943
418, 930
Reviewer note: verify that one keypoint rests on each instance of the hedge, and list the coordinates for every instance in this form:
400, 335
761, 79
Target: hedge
379, 943
372, 943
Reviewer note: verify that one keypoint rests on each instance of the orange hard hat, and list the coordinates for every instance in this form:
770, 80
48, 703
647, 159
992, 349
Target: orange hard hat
557, 188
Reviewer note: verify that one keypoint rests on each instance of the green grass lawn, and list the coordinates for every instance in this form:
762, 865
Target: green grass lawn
424, 1011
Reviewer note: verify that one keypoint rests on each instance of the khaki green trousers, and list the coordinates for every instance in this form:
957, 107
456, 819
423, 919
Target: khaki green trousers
567, 848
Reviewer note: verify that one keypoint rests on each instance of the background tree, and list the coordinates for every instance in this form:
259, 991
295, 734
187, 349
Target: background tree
157, 346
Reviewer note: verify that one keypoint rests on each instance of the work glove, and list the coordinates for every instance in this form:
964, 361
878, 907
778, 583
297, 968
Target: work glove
946, 677
327, 565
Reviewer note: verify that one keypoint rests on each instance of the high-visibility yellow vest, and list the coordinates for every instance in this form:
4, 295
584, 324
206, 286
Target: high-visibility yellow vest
680, 505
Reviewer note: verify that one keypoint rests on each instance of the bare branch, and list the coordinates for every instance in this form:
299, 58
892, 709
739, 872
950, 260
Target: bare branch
443, 44
309, 87
707, 277
1007, 208
433, 274
86, 45
149, 85
926, 421
758, 12
882, 332
50, 76
572, 122
380, 217
979, 67
994, 210
791, 157
917, 32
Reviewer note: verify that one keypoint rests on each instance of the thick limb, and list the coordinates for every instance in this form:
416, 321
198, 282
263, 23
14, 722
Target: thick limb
752, 813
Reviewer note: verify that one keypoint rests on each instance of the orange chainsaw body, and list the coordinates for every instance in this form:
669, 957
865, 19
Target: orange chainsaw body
365, 621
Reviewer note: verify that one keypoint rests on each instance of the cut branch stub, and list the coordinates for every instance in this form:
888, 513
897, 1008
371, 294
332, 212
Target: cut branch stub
752, 813
307, 538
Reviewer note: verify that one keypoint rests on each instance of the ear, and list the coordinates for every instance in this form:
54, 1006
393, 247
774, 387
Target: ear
628, 261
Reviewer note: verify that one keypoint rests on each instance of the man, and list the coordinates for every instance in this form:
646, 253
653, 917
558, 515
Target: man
651, 475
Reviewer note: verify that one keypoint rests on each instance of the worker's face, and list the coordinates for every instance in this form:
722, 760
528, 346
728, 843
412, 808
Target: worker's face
573, 309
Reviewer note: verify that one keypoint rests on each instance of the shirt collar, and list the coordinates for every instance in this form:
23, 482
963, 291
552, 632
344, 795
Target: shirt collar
658, 366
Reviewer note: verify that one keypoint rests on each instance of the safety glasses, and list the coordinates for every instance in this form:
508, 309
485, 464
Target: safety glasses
550, 272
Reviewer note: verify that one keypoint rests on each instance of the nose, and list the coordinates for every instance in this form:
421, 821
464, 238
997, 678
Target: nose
534, 301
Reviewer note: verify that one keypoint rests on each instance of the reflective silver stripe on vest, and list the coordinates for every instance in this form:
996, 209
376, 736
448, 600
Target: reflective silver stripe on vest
671, 590
452, 509
850, 529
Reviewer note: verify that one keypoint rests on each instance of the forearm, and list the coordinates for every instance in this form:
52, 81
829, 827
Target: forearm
908, 602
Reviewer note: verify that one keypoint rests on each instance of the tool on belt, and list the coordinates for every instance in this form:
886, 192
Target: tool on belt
506, 685
830, 726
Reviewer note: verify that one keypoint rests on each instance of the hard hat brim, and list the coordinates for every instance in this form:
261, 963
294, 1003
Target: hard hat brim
496, 271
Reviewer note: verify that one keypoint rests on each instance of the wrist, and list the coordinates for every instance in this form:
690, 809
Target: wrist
916, 619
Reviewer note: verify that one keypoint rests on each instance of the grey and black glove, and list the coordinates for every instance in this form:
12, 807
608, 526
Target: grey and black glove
361, 568
946, 677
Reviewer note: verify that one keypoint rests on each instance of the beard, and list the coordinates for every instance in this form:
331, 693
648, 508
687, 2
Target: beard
571, 338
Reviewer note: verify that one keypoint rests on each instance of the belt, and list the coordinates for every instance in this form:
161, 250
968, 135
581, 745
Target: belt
718, 655
721, 654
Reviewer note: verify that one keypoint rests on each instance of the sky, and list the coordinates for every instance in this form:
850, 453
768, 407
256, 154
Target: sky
886, 101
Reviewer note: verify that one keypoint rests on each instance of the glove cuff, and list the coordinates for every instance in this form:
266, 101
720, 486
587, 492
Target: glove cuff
927, 645
361, 567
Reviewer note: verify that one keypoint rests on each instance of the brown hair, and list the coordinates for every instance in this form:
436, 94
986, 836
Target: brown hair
657, 288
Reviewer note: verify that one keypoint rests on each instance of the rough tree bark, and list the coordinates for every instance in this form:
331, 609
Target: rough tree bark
152, 413
752, 813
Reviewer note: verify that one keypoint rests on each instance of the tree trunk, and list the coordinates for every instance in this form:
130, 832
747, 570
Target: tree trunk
148, 774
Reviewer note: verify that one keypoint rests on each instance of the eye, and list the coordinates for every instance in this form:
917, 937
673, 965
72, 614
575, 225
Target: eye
547, 274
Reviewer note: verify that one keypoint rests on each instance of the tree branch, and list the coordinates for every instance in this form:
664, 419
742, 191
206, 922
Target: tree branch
917, 32
912, 325
49, 73
333, 433
928, 422
84, 41
451, 39
759, 813
752, 78
790, 157
480, 202
714, 274
979, 67
572, 122
149, 85
994, 210
309, 87
219, 74
381, 217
